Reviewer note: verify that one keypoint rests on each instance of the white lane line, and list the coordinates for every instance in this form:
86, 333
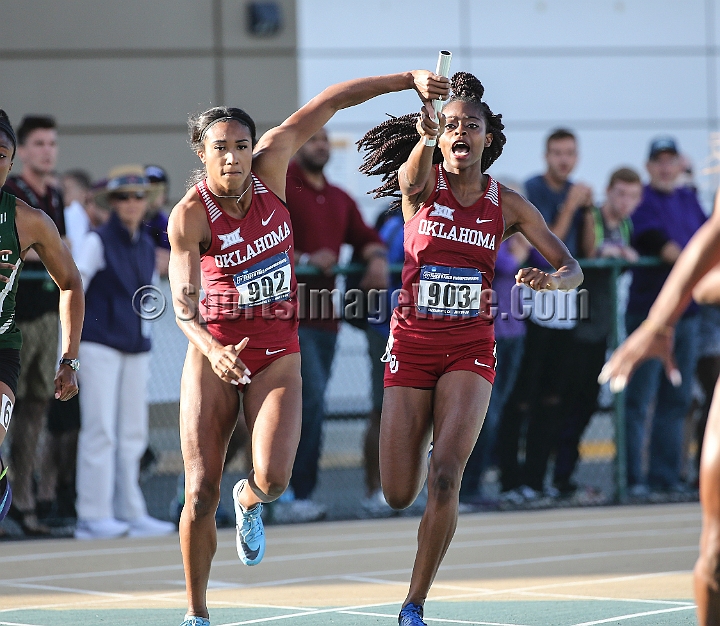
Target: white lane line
374, 536
634, 615
102, 594
15, 624
435, 585
429, 619
600, 598
361, 552
109, 598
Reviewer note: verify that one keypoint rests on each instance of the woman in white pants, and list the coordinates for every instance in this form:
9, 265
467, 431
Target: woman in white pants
116, 261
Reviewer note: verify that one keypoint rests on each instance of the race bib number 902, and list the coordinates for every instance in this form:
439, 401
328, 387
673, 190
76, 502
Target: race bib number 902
265, 282
453, 291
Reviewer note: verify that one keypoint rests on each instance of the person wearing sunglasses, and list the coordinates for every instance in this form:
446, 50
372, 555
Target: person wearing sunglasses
116, 262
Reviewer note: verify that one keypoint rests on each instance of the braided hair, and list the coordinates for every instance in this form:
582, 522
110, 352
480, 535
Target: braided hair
389, 144
200, 123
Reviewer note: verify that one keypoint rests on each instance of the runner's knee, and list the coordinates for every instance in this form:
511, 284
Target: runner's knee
399, 498
443, 479
271, 482
203, 497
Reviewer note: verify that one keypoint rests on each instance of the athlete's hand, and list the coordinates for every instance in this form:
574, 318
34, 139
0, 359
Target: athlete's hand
536, 279
66, 385
5, 266
646, 342
227, 364
430, 86
428, 126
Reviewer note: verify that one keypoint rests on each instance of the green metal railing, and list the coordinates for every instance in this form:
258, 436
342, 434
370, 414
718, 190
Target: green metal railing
614, 266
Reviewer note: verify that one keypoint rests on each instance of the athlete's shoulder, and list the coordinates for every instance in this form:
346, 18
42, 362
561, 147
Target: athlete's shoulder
30, 216
511, 196
188, 216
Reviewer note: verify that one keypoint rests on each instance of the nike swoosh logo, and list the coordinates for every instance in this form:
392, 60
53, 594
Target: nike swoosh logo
481, 364
479, 221
250, 554
271, 352
267, 221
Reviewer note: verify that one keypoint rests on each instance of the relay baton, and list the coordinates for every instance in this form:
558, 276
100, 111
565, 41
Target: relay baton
443, 69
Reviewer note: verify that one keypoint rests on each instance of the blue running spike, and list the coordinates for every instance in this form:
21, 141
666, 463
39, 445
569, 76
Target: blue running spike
411, 615
250, 537
194, 620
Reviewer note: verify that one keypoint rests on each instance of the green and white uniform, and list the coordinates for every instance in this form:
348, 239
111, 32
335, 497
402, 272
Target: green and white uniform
10, 336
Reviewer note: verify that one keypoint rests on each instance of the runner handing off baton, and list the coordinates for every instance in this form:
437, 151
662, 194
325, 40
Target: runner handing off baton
441, 351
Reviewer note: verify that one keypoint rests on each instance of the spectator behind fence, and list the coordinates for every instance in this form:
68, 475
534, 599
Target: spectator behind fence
324, 217
509, 345
98, 215
156, 219
536, 398
390, 225
663, 224
116, 261
76, 186
707, 373
57, 463
36, 314
606, 233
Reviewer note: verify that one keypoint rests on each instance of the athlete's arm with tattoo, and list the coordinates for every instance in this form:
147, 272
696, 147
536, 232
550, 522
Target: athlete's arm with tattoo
187, 231
521, 216
38, 232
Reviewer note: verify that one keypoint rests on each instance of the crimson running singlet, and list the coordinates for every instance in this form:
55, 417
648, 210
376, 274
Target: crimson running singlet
450, 253
248, 271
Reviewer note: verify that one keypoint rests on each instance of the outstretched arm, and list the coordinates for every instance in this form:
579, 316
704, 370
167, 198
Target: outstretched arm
523, 217
654, 338
276, 147
37, 230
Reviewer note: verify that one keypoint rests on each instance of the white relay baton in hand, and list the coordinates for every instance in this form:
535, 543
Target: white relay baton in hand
443, 69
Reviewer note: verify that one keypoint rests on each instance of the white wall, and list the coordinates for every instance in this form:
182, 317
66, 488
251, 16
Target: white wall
616, 72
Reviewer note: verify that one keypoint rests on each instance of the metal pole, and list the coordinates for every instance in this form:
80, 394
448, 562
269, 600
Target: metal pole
619, 399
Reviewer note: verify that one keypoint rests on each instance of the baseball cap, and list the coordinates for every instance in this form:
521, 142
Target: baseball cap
156, 174
662, 144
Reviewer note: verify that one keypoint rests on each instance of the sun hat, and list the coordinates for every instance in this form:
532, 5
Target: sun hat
124, 179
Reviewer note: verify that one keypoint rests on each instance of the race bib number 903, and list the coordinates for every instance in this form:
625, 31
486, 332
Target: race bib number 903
453, 291
265, 282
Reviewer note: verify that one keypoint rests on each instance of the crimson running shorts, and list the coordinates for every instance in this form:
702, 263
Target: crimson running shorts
420, 365
257, 359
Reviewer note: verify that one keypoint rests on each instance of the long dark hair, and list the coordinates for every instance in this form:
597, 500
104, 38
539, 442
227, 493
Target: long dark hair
388, 145
199, 123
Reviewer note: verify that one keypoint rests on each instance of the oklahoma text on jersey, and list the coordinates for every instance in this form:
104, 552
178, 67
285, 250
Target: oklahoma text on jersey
260, 245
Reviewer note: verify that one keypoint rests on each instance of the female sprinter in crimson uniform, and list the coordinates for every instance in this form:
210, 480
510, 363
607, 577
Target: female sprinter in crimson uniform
440, 358
231, 233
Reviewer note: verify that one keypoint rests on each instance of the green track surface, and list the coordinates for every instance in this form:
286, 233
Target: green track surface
565, 613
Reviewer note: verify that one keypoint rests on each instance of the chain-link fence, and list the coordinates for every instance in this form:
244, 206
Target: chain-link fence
600, 472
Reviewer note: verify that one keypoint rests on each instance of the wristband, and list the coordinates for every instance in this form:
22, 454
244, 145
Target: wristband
658, 329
